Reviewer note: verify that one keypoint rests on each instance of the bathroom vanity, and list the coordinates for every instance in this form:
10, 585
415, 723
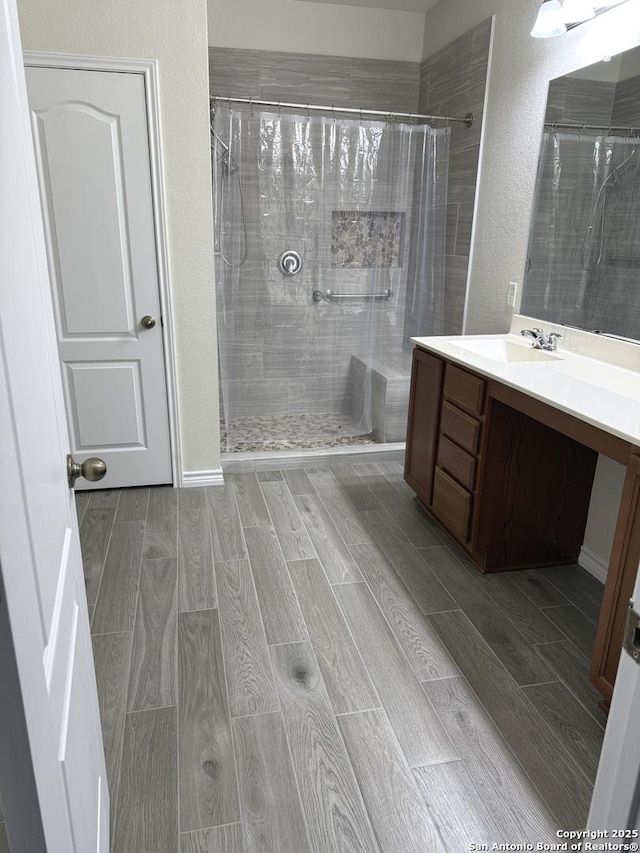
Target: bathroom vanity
502, 445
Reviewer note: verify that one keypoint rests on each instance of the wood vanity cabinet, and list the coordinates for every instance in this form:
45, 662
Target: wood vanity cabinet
512, 491
510, 477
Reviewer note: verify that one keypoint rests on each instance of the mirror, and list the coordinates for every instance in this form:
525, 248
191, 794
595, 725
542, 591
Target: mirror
583, 265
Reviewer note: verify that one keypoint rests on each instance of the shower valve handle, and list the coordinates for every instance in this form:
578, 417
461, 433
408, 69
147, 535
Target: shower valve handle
289, 263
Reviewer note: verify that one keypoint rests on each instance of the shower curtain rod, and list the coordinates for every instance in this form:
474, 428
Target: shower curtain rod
569, 126
466, 120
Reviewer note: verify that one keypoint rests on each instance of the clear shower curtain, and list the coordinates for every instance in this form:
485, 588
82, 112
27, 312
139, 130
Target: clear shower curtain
582, 243
363, 203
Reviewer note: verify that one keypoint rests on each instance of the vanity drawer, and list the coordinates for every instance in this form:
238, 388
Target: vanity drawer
465, 389
452, 505
460, 428
456, 462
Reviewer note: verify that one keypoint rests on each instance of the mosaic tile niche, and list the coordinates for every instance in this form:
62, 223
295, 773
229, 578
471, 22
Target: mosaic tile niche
366, 239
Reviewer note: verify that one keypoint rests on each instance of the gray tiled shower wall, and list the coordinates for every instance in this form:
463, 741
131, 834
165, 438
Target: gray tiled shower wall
316, 79
556, 284
453, 82
292, 357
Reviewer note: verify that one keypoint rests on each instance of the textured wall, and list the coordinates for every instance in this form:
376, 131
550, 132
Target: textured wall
176, 35
519, 73
332, 29
453, 82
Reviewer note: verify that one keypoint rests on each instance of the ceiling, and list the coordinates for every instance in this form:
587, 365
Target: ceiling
402, 5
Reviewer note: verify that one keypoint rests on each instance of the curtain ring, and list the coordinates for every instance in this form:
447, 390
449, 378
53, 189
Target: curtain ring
333, 113
251, 107
308, 111
279, 109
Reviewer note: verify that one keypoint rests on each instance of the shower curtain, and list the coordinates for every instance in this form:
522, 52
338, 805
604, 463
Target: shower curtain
363, 204
584, 237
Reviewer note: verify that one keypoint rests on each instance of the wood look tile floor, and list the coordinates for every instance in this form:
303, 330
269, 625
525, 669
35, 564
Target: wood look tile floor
303, 662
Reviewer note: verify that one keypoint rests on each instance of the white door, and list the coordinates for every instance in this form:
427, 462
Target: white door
92, 152
39, 548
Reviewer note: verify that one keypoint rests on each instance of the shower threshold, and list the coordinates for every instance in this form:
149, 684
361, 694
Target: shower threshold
274, 460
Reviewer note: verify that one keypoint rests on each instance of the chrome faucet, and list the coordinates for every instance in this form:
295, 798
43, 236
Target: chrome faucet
540, 340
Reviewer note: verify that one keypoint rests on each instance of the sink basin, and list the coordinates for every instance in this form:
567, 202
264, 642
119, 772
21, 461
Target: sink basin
506, 351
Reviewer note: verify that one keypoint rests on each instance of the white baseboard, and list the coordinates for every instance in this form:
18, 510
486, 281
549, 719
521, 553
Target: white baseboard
593, 563
203, 478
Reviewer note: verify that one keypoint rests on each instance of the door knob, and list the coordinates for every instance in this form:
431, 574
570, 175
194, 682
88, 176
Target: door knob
92, 469
148, 322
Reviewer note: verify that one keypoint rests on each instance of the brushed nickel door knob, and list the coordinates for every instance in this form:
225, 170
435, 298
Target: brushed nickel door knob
92, 469
148, 322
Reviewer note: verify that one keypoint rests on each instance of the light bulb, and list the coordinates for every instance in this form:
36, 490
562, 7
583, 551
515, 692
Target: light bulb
577, 11
549, 21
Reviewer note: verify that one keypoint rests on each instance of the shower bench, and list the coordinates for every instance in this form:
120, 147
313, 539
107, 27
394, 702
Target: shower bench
390, 383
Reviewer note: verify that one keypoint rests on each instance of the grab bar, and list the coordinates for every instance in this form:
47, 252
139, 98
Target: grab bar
330, 296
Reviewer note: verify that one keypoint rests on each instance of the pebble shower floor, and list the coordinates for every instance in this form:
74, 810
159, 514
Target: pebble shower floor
292, 432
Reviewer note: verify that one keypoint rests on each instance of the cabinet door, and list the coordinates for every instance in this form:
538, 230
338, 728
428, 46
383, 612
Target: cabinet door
423, 424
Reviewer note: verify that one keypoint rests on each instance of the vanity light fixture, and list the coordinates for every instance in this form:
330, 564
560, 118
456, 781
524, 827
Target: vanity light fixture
553, 16
549, 22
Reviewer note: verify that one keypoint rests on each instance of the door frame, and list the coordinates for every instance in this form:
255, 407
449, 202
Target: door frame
616, 794
149, 69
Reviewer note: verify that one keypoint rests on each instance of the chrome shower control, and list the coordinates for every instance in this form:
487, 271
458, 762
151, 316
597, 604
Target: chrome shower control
289, 263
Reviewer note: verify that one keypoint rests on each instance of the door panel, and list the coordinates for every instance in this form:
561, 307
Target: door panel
92, 152
98, 425
93, 287
44, 600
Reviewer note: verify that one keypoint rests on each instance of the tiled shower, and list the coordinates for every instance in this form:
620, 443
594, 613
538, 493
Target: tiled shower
295, 364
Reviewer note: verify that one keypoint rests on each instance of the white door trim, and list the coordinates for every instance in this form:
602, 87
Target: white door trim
149, 69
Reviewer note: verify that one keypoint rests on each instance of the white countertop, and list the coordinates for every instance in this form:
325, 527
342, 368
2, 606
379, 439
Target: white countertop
595, 391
